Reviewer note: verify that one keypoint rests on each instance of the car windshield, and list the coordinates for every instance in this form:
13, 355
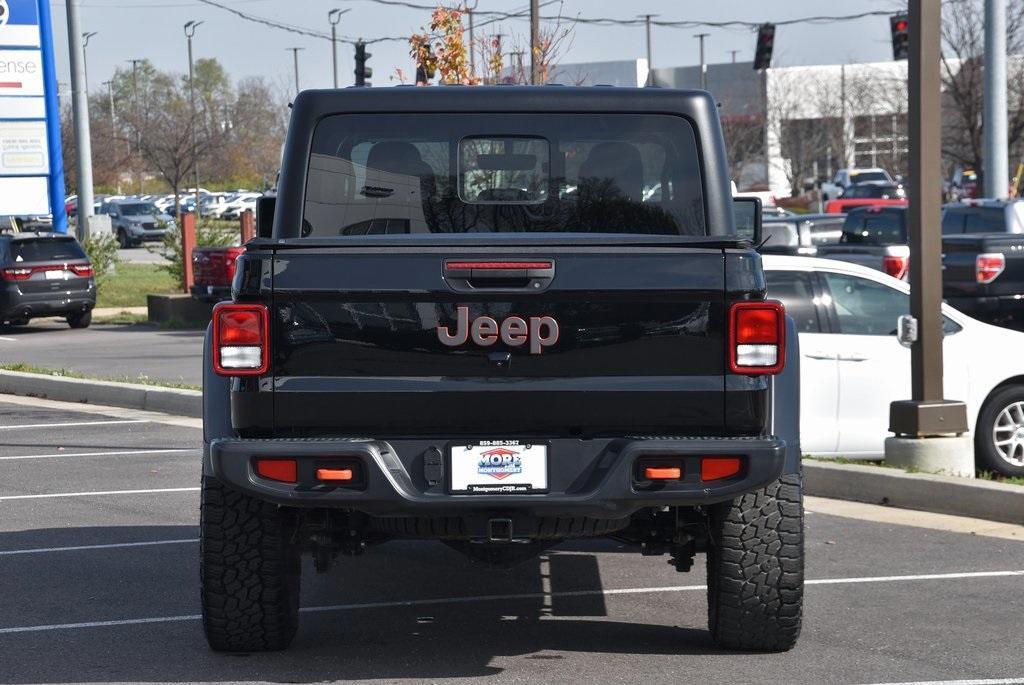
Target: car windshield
46, 250
138, 209
500, 173
862, 176
874, 228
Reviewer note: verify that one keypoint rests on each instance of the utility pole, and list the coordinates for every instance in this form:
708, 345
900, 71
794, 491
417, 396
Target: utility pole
85, 63
135, 110
534, 42
295, 56
334, 16
472, 42
520, 70
113, 125
190, 30
80, 109
650, 62
996, 162
927, 414
703, 65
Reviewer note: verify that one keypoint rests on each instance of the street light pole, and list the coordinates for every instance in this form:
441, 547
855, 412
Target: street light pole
80, 109
703, 65
190, 30
135, 110
996, 163
650, 62
472, 42
295, 55
113, 124
85, 64
927, 413
334, 16
534, 42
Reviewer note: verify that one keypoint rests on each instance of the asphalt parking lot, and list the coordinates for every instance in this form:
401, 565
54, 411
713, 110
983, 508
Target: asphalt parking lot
103, 351
99, 557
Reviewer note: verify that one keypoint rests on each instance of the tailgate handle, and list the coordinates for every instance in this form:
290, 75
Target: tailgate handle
463, 275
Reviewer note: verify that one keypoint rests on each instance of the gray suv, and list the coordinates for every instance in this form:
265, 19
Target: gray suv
135, 221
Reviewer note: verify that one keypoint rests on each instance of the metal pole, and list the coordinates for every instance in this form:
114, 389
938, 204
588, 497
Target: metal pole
135, 109
80, 108
113, 123
996, 159
295, 56
190, 30
334, 16
927, 413
703, 65
534, 42
85, 62
650, 60
472, 42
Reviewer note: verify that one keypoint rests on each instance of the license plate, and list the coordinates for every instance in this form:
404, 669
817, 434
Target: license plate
499, 467
54, 275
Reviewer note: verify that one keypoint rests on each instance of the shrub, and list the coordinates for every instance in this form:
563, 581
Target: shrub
102, 252
209, 233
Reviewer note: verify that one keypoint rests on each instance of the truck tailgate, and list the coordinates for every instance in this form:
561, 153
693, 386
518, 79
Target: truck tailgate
640, 345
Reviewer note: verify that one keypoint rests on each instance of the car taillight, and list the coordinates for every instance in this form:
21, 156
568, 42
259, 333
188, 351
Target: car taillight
241, 342
757, 338
83, 270
895, 266
988, 266
22, 274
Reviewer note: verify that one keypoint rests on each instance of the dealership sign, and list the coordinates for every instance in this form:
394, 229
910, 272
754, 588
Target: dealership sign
31, 182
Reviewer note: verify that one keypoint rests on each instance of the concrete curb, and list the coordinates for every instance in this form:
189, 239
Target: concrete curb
111, 393
981, 499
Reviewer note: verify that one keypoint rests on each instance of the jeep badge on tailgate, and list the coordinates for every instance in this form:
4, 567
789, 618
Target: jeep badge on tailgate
541, 332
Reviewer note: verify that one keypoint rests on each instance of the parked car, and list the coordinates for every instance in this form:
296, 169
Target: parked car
244, 202
134, 222
845, 178
213, 269
875, 237
852, 366
879, 190
42, 275
983, 258
215, 205
801, 233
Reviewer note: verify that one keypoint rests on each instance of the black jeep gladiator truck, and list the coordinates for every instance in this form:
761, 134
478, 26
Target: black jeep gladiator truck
501, 318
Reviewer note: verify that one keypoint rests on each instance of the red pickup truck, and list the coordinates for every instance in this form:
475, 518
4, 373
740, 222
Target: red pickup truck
213, 270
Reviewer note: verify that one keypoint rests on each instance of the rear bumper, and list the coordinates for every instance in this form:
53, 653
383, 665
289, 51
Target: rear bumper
988, 304
17, 305
211, 293
595, 478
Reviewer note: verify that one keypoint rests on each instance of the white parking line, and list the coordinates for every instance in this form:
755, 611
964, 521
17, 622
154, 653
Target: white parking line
79, 408
9, 339
72, 424
102, 492
989, 681
117, 453
508, 597
79, 548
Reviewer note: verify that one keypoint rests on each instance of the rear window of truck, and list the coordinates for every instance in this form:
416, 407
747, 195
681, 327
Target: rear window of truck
498, 173
873, 227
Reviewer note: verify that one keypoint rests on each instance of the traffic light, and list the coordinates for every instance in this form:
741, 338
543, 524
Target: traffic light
765, 43
363, 72
900, 27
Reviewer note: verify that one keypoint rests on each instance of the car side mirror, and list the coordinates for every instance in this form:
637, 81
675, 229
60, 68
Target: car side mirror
747, 211
265, 216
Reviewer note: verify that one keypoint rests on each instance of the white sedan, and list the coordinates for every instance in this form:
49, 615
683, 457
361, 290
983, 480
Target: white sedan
852, 366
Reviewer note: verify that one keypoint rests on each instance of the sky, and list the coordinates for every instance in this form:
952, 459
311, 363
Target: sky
153, 29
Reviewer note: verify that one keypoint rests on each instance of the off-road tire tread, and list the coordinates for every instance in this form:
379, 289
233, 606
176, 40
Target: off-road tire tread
249, 571
755, 566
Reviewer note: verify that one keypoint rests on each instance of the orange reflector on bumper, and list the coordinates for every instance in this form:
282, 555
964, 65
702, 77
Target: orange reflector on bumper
334, 474
663, 473
283, 470
716, 468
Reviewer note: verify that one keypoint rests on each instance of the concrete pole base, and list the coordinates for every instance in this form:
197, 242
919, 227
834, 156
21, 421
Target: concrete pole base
950, 455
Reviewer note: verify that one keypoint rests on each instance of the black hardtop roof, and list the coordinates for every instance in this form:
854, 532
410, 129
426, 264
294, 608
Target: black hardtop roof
506, 99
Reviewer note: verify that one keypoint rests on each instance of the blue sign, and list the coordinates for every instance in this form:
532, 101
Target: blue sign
31, 163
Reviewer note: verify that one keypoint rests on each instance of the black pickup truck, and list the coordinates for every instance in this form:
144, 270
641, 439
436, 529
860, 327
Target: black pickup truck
501, 318
983, 258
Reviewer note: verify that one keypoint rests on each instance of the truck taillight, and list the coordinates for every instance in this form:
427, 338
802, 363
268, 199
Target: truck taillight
757, 338
241, 340
895, 266
988, 266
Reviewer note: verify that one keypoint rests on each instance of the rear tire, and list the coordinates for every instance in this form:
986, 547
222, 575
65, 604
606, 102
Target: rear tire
249, 571
123, 241
80, 320
755, 567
